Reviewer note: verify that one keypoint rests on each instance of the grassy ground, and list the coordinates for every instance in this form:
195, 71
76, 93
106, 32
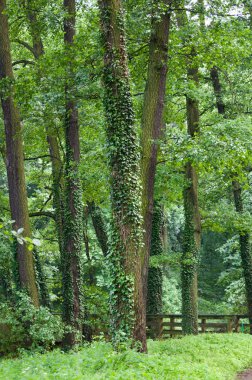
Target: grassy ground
209, 357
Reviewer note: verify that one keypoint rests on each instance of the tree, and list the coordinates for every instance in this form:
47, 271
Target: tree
73, 230
192, 227
127, 302
15, 162
244, 236
152, 118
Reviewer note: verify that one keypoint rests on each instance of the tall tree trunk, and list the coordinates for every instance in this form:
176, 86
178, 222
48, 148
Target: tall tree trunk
155, 276
244, 236
58, 185
152, 119
127, 303
191, 246
192, 227
15, 163
73, 230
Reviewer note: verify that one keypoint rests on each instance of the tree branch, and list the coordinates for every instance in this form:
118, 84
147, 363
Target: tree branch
43, 213
25, 44
25, 62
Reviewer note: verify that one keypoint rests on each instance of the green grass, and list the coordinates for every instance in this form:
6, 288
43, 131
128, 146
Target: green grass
209, 357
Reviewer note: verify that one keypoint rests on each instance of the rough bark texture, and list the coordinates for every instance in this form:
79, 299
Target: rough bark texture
99, 226
191, 246
58, 185
127, 303
15, 163
244, 236
73, 230
153, 107
155, 276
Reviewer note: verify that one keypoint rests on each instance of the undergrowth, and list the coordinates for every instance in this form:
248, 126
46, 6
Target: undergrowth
208, 357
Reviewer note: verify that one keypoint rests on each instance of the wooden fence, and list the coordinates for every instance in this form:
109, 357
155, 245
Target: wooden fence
169, 325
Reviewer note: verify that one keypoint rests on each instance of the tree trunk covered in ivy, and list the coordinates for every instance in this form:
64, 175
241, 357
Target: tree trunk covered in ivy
58, 184
52, 139
43, 289
100, 227
153, 107
15, 163
127, 302
73, 230
192, 226
244, 236
91, 269
155, 276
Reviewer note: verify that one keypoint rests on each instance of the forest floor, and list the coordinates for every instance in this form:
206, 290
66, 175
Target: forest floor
208, 357
246, 375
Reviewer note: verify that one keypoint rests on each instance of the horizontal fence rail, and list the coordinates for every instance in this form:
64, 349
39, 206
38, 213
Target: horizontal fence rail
170, 325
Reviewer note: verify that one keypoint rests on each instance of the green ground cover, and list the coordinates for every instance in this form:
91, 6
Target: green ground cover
209, 357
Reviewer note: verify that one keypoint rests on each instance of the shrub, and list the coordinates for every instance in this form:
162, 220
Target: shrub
23, 326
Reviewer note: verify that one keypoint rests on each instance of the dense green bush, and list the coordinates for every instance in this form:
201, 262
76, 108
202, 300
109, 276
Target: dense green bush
23, 326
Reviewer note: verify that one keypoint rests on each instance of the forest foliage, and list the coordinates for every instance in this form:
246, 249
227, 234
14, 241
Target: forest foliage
101, 175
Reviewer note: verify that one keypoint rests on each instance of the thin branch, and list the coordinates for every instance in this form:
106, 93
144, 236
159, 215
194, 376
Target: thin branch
37, 157
43, 213
25, 44
25, 62
45, 203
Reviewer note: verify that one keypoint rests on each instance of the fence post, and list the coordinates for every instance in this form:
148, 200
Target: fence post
230, 325
158, 327
236, 324
172, 321
203, 325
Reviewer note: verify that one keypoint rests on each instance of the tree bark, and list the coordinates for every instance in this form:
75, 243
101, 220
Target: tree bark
58, 185
128, 305
73, 230
99, 226
152, 119
192, 227
217, 90
15, 163
155, 276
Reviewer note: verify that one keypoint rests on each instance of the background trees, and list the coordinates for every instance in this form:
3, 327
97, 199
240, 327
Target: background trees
57, 73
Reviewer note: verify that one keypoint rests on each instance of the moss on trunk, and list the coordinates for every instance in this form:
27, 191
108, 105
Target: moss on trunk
73, 310
155, 276
127, 303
